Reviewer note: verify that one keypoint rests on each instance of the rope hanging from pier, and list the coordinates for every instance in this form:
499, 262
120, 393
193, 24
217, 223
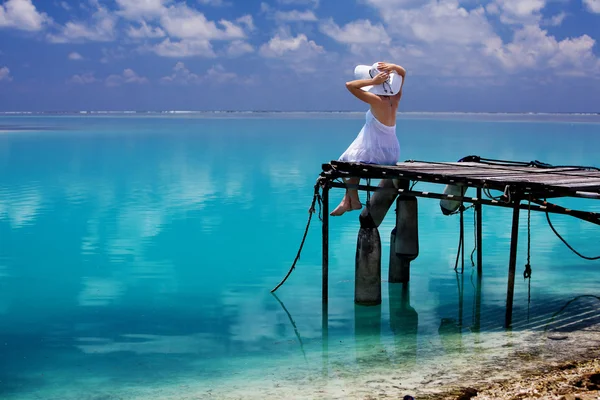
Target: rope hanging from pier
565, 242
461, 241
527, 272
316, 198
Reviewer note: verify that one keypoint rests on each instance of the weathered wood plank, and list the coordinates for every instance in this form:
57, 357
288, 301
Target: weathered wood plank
564, 179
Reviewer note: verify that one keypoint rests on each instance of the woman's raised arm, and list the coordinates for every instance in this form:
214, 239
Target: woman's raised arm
355, 87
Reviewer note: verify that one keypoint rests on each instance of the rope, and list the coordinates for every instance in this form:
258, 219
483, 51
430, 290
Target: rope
461, 242
311, 211
565, 242
474, 237
368, 194
527, 272
293, 324
563, 308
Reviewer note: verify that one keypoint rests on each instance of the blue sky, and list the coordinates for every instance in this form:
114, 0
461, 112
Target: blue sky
461, 55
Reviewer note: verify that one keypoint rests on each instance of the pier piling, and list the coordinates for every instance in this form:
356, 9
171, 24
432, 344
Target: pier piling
512, 263
367, 282
325, 234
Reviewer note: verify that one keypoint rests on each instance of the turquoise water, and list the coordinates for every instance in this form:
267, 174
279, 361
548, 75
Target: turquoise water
137, 255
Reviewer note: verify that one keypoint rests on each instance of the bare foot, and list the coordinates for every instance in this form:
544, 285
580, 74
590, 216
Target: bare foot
341, 209
344, 207
356, 205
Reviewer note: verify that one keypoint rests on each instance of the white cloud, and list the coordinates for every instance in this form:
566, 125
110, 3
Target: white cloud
184, 48
114, 53
238, 48
83, 79
22, 14
356, 32
532, 48
313, 3
5, 74
128, 76
295, 15
215, 75
555, 20
247, 21
145, 31
281, 45
65, 5
439, 38
181, 21
181, 76
214, 3
101, 28
139, 9
218, 74
592, 5
75, 56
296, 52
517, 11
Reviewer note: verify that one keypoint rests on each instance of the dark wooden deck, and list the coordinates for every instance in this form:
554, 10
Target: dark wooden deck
539, 181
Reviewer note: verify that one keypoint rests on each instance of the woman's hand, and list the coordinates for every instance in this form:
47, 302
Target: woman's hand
380, 78
386, 67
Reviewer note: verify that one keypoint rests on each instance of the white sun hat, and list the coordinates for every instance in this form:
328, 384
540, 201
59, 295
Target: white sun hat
387, 88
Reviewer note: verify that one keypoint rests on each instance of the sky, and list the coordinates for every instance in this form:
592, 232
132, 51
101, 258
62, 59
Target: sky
296, 55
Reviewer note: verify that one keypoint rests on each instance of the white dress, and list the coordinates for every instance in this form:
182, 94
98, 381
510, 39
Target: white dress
375, 144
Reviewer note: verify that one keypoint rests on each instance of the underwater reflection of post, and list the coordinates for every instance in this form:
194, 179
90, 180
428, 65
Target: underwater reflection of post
404, 323
367, 333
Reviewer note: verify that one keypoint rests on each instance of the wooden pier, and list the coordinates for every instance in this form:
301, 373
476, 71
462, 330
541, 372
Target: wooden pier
523, 186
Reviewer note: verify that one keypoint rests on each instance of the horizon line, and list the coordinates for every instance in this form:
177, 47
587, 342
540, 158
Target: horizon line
85, 112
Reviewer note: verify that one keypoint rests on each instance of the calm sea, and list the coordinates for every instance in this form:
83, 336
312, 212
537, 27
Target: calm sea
137, 254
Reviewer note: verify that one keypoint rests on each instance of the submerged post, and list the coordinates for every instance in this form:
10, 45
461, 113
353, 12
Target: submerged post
404, 241
367, 282
512, 263
479, 233
325, 233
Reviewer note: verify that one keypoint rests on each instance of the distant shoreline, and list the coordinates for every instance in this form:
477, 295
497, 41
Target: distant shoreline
186, 112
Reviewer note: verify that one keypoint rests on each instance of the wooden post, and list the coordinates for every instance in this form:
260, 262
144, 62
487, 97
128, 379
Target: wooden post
367, 279
477, 325
367, 276
407, 225
399, 270
404, 241
462, 241
325, 288
478, 208
379, 205
325, 338
512, 263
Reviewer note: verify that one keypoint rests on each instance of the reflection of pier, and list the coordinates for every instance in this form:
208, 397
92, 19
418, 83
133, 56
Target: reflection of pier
525, 186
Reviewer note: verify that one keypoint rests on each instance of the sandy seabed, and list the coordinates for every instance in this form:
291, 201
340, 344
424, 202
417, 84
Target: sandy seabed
494, 365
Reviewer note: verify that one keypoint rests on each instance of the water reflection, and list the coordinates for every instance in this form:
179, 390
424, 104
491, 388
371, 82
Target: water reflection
148, 250
404, 323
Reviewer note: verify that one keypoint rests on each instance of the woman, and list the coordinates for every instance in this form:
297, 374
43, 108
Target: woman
379, 85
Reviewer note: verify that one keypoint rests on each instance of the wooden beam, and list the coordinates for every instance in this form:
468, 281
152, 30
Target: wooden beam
512, 263
479, 235
325, 234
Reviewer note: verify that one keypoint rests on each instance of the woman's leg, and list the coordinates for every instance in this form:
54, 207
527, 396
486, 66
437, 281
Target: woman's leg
350, 201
